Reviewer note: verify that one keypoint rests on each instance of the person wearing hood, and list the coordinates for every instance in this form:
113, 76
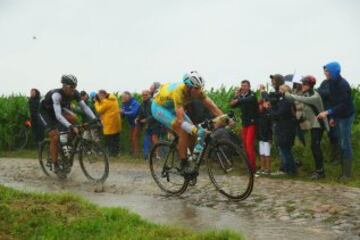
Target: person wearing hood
341, 109
36, 126
107, 107
130, 109
312, 106
324, 91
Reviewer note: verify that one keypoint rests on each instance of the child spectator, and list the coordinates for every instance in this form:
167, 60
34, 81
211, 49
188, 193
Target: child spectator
264, 136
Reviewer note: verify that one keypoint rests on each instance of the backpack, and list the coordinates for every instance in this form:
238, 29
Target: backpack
228, 134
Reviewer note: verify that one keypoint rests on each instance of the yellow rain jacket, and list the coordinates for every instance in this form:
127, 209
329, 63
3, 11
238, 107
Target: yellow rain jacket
109, 113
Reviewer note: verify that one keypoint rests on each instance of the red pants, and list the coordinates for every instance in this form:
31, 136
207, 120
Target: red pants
248, 138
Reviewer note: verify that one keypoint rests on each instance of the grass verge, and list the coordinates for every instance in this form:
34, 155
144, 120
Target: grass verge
64, 216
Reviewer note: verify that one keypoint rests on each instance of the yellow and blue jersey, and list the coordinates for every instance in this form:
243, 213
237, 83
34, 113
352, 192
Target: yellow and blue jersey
174, 95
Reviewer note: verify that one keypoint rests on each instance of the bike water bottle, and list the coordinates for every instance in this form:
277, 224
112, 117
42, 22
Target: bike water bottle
200, 140
63, 139
64, 144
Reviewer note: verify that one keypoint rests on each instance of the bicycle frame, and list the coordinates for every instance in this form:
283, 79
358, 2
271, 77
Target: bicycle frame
201, 156
75, 142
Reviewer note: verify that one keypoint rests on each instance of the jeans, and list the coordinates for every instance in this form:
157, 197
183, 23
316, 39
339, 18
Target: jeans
288, 158
344, 126
147, 143
316, 135
333, 135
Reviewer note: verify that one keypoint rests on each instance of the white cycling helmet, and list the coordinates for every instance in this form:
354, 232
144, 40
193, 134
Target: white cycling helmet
69, 79
193, 79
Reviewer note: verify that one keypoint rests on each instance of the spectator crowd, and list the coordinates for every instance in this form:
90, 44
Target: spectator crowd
270, 120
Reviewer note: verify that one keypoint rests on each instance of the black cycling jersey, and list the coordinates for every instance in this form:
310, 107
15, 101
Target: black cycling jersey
53, 104
47, 103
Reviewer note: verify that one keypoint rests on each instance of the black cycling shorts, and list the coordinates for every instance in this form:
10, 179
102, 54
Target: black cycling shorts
49, 121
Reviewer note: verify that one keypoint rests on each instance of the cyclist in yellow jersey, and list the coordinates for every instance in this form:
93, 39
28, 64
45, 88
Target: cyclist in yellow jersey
168, 108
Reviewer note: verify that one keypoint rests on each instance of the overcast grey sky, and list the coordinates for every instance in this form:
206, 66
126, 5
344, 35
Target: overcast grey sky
125, 45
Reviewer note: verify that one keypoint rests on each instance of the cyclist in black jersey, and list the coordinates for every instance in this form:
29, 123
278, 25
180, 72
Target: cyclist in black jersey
53, 112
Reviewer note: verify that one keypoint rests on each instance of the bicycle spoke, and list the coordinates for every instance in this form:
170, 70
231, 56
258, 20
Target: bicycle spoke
164, 166
94, 161
229, 171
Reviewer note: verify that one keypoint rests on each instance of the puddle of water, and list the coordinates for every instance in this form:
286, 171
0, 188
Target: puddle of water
182, 213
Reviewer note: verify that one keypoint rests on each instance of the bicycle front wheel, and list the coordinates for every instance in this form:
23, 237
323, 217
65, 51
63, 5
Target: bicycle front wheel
164, 167
94, 161
229, 170
44, 157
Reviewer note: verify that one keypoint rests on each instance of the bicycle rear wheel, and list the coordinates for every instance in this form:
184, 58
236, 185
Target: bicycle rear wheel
164, 167
229, 170
21, 138
94, 161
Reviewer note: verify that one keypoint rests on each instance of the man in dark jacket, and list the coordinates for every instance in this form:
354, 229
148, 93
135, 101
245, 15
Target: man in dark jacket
247, 101
342, 110
284, 130
36, 126
324, 91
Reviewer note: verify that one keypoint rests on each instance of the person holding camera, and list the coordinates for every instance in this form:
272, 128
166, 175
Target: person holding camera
246, 100
107, 107
284, 125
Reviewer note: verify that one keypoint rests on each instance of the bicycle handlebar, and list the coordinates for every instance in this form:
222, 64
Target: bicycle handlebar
222, 120
82, 127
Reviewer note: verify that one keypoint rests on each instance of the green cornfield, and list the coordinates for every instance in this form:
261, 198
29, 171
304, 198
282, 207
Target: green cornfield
14, 111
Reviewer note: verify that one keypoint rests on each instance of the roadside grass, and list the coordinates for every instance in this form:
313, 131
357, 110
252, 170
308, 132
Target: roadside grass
64, 216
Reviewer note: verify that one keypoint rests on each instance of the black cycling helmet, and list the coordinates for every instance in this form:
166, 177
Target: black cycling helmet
69, 79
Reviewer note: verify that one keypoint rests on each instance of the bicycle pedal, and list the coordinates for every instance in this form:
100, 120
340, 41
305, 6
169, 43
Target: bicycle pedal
193, 182
228, 169
191, 176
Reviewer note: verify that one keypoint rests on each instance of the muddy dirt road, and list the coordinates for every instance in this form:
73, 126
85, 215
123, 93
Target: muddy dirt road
277, 209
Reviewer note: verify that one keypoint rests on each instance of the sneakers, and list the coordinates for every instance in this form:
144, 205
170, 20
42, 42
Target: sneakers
279, 173
263, 172
344, 179
317, 175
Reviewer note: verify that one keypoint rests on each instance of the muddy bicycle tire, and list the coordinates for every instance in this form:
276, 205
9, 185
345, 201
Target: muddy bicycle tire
43, 155
88, 151
164, 167
229, 170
